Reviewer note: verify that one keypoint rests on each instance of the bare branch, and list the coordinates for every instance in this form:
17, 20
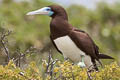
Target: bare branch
89, 76
3, 42
22, 55
50, 65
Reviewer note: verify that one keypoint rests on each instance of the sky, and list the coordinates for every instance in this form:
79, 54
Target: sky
87, 3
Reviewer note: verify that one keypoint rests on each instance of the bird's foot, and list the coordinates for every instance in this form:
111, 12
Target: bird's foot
93, 68
81, 64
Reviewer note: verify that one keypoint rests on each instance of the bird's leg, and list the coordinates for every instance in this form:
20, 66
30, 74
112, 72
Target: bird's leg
81, 63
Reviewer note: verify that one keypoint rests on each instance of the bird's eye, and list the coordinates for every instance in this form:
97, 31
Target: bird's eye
48, 9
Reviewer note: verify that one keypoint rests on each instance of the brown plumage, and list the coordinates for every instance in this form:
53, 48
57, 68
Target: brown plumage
68, 39
59, 27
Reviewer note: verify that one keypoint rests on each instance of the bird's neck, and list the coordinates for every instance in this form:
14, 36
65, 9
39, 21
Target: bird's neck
61, 14
59, 27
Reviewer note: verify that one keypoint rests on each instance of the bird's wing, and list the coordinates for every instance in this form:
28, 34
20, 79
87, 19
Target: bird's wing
84, 42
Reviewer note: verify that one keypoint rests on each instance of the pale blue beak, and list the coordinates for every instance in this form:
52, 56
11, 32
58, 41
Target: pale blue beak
42, 11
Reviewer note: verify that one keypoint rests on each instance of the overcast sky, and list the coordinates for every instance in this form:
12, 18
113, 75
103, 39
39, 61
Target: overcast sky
86, 3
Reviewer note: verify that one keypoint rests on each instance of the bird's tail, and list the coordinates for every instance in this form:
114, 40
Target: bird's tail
103, 56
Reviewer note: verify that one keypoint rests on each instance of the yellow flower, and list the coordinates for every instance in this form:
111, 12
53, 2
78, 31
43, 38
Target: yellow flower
44, 63
56, 69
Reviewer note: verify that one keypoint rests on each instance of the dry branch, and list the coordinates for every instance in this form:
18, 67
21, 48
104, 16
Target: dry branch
4, 43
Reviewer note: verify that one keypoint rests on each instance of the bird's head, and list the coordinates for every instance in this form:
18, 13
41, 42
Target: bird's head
52, 11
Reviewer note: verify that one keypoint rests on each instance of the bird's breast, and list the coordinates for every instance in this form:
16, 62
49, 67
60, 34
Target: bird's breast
70, 50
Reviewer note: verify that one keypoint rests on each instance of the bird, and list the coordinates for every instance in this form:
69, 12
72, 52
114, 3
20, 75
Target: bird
71, 42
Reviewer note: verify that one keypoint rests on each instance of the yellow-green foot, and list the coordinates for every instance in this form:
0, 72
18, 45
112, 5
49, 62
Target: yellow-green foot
81, 64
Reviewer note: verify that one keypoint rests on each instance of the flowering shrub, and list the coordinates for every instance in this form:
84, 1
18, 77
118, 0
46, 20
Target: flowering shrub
68, 71
11, 72
60, 71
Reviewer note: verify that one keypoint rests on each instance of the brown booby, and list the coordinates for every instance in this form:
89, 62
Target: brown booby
73, 43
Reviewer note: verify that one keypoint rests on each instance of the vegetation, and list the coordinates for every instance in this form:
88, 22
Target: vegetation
24, 39
61, 71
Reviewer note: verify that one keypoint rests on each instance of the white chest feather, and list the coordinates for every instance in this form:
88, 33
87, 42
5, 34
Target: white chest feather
71, 51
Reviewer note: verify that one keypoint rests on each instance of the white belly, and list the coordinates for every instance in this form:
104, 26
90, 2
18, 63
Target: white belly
71, 51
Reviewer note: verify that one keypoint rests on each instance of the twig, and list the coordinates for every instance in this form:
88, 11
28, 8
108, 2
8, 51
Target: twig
3, 36
49, 60
73, 76
51, 68
91, 68
50, 65
89, 76
22, 55
19, 59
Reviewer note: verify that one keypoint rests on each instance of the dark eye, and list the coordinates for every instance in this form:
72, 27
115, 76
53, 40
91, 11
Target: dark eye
48, 9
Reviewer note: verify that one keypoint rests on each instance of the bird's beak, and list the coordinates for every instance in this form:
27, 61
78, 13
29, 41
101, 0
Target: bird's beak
39, 11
